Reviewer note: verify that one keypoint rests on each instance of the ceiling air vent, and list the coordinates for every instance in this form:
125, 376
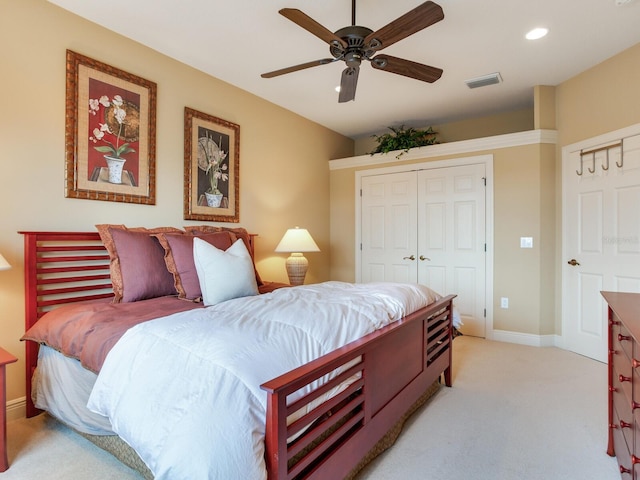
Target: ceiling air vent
483, 81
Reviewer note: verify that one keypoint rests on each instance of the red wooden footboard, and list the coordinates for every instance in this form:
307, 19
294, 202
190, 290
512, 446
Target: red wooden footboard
394, 365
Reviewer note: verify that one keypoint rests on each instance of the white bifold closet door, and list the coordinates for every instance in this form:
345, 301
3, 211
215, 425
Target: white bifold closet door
428, 226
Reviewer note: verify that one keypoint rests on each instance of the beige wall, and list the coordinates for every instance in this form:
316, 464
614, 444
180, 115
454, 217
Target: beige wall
601, 99
284, 180
506, 122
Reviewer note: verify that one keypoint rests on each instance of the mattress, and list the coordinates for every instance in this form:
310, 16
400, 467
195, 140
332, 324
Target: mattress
61, 386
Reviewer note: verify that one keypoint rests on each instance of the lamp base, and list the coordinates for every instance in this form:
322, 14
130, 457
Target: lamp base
296, 268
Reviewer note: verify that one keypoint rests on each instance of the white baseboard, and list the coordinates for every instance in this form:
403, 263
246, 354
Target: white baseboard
527, 339
16, 408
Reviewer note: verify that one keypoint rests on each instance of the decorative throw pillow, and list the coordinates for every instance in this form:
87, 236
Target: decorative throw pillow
137, 266
238, 232
224, 275
178, 257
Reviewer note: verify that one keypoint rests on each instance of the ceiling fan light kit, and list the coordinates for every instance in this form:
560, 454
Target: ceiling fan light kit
354, 43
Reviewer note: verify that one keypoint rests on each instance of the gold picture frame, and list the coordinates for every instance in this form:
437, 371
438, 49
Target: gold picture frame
110, 133
211, 168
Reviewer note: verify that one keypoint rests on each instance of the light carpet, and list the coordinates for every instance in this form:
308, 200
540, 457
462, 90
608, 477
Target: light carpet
514, 412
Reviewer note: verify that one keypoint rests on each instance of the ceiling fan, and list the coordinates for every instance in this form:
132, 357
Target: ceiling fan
353, 44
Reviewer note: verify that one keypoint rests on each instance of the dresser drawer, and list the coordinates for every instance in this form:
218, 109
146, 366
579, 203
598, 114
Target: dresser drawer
622, 339
622, 374
623, 454
624, 419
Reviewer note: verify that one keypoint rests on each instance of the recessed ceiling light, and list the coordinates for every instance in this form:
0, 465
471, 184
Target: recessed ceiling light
536, 33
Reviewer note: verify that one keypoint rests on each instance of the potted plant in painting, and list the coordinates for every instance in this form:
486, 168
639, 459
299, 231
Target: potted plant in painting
404, 139
211, 159
115, 116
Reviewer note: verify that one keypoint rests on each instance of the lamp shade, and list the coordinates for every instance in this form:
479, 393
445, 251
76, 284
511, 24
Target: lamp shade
297, 240
4, 265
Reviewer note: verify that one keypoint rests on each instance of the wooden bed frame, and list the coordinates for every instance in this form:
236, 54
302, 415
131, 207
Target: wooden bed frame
397, 366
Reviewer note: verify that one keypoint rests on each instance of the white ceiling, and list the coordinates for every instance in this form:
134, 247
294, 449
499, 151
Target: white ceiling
237, 40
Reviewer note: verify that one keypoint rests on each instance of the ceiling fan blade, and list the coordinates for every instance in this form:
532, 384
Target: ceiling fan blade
407, 68
348, 84
309, 24
411, 22
295, 68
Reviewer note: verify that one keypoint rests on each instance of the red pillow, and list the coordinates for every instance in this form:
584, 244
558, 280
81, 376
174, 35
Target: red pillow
137, 266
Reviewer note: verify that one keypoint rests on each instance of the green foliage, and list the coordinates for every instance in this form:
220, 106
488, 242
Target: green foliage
404, 139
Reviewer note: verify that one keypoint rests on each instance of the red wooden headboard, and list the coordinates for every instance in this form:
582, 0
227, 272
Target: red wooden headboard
62, 268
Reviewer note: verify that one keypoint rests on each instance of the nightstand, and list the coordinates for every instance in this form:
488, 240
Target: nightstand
5, 358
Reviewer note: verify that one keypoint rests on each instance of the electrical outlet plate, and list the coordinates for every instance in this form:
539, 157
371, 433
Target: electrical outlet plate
504, 302
526, 242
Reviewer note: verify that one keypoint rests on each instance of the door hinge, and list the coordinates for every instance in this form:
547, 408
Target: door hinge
485, 313
360, 247
485, 247
484, 179
360, 192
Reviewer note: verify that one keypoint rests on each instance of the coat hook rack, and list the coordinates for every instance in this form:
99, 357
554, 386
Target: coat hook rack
593, 152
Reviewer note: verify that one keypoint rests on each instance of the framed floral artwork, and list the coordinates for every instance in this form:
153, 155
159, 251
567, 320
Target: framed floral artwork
110, 135
211, 168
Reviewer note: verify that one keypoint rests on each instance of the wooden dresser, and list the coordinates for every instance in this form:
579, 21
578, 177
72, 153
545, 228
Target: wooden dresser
624, 381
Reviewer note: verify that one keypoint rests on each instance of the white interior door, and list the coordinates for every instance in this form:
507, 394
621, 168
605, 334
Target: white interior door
601, 238
451, 238
389, 228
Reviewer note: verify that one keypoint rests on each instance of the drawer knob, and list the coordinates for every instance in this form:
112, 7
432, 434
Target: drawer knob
613, 426
613, 352
634, 459
622, 338
624, 424
622, 378
635, 363
635, 405
612, 389
614, 322
624, 470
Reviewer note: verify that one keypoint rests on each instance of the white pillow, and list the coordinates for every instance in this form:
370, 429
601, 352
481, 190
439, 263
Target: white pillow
224, 274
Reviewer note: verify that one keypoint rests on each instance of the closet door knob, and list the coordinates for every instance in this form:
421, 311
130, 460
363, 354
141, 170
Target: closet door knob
423, 258
573, 262
412, 257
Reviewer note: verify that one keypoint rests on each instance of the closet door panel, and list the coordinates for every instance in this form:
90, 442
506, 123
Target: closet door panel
388, 216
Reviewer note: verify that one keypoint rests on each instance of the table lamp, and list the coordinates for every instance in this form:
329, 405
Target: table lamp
4, 265
296, 241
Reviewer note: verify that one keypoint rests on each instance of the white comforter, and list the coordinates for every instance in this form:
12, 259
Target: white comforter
184, 390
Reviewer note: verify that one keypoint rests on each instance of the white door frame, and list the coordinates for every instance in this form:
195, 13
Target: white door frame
603, 139
487, 160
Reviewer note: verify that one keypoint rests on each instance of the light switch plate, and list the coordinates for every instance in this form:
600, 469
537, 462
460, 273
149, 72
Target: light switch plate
526, 242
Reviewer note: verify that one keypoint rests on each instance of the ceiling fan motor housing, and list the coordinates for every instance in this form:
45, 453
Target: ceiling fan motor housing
354, 36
